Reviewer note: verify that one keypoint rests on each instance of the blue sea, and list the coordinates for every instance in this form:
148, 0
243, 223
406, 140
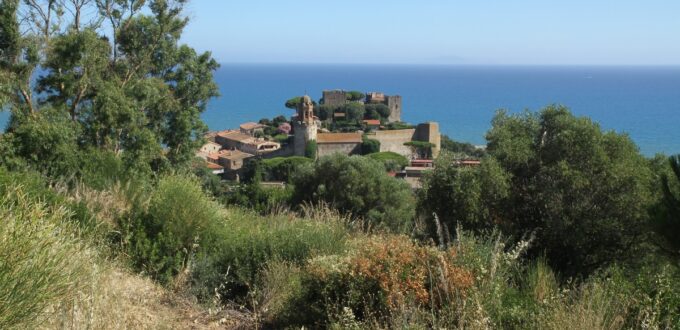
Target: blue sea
643, 102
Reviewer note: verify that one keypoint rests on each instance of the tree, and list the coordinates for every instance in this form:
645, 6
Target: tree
354, 111
377, 111
667, 222
354, 96
137, 93
583, 192
293, 102
358, 186
465, 150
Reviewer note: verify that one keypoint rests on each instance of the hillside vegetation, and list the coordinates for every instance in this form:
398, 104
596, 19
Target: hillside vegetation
108, 221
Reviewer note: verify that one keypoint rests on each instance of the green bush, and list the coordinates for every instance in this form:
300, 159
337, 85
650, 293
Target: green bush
165, 230
358, 186
311, 149
246, 242
392, 160
42, 260
369, 146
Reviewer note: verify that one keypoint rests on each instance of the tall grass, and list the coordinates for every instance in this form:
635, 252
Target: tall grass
42, 260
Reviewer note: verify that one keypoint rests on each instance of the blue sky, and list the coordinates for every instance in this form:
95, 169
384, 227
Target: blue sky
502, 32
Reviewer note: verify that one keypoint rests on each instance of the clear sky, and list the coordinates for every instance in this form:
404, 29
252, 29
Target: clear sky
531, 32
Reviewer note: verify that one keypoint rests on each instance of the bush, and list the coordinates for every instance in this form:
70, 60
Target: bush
311, 149
391, 160
358, 186
42, 261
166, 229
246, 242
377, 277
369, 146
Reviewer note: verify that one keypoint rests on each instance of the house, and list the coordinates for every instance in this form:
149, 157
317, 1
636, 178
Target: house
252, 128
346, 143
232, 160
235, 140
372, 123
210, 147
215, 168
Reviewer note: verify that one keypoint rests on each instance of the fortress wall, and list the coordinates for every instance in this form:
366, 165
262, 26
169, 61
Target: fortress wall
429, 132
394, 140
325, 149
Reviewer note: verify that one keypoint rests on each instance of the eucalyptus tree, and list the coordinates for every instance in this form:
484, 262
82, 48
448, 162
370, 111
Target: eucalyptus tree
115, 68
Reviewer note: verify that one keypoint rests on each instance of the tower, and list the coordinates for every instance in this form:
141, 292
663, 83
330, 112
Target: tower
305, 125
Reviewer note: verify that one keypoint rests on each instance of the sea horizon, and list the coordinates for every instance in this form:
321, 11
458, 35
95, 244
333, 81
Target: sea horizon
640, 100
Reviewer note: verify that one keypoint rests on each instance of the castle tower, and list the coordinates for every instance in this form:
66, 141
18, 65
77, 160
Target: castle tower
305, 125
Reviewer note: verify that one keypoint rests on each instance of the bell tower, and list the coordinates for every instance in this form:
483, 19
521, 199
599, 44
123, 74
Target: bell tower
305, 125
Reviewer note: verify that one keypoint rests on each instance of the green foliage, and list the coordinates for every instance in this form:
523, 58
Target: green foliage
465, 195
129, 93
354, 96
167, 229
43, 262
466, 150
354, 111
246, 242
377, 111
583, 191
667, 221
47, 141
311, 149
369, 146
325, 112
358, 186
391, 160
282, 138
294, 102
275, 169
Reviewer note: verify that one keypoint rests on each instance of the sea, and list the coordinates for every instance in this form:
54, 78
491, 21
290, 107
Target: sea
643, 102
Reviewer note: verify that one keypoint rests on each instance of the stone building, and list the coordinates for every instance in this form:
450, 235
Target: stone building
338, 97
334, 97
235, 140
305, 126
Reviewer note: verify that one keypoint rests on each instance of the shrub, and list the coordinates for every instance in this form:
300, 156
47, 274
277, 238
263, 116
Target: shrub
358, 186
392, 160
311, 149
369, 146
378, 276
42, 261
165, 230
246, 242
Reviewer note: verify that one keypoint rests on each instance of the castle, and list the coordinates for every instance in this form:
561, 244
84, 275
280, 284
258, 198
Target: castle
306, 128
338, 97
227, 151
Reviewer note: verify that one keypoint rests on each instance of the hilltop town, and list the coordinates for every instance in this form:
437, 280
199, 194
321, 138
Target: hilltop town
345, 122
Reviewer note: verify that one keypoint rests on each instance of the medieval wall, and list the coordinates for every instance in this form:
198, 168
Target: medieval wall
325, 149
394, 140
429, 132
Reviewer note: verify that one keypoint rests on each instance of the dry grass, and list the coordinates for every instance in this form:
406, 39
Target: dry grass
116, 299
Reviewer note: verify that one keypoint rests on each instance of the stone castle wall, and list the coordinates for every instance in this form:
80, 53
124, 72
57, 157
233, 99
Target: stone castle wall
394, 140
334, 98
394, 103
326, 149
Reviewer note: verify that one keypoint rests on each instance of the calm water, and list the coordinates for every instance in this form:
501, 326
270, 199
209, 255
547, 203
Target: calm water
641, 101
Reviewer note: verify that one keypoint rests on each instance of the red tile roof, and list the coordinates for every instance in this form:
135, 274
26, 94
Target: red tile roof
374, 122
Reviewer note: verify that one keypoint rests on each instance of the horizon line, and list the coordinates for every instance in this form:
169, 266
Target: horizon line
450, 64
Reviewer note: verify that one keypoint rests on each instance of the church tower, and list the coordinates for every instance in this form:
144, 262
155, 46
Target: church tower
305, 125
